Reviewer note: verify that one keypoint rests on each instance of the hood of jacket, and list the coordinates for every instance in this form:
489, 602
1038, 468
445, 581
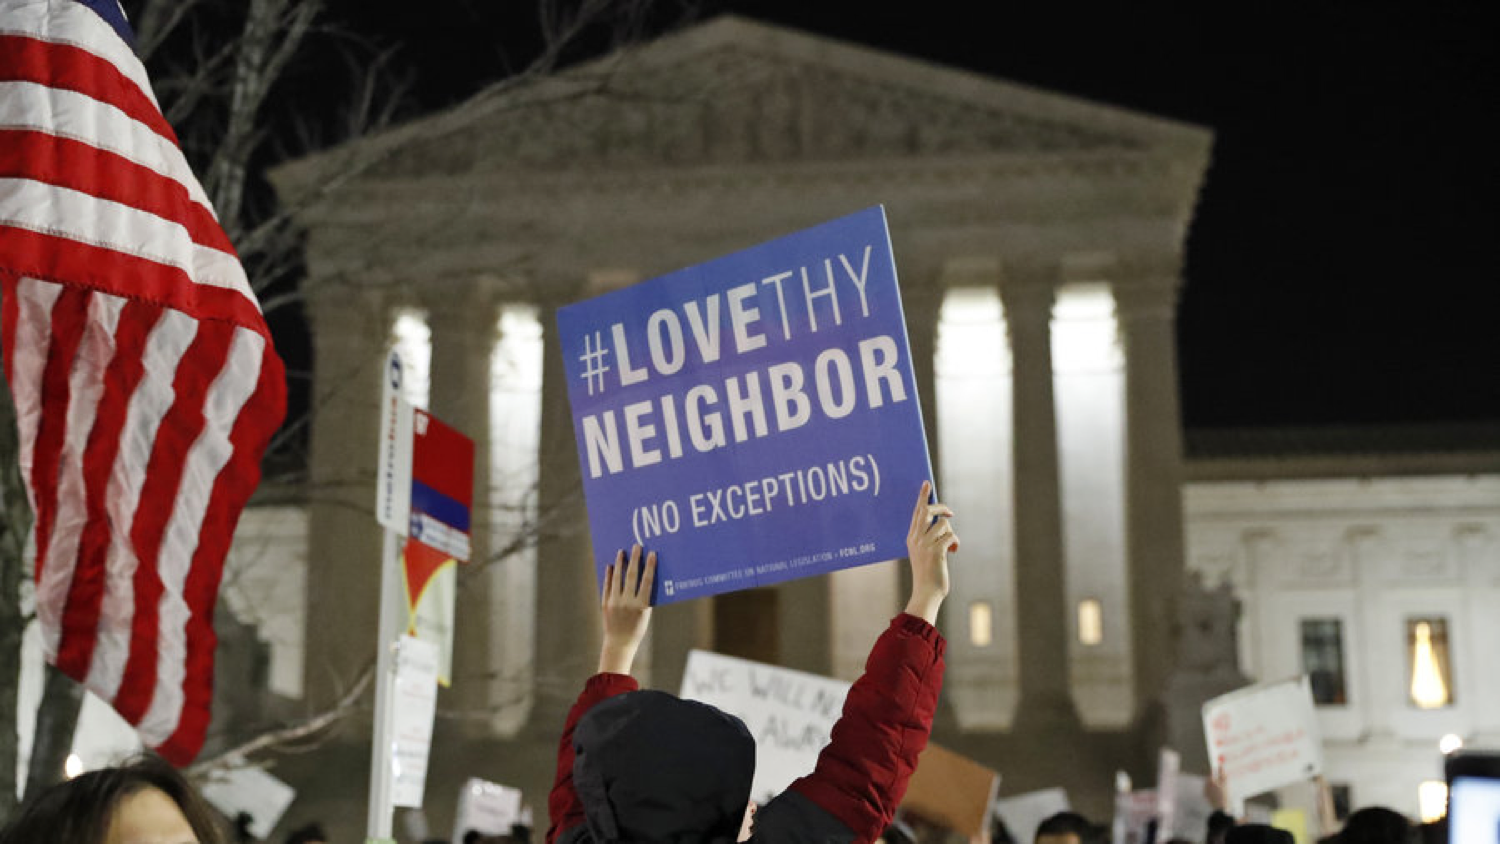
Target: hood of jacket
651, 767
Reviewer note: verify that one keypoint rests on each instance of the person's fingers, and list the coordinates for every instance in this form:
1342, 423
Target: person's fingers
940, 523
632, 572
610, 574
940, 533
648, 578
919, 512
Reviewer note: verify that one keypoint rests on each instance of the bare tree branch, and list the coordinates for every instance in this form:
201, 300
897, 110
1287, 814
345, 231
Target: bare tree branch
273, 31
290, 734
156, 21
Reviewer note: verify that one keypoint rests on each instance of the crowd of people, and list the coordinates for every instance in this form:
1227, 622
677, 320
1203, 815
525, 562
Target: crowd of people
637, 765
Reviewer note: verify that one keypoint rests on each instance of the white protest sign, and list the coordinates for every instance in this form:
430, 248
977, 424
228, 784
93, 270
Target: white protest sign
1263, 737
1023, 813
789, 713
414, 708
1168, 766
1134, 811
252, 791
1191, 810
487, 807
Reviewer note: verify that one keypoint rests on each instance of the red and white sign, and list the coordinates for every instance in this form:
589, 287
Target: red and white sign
425, 491
1263, 737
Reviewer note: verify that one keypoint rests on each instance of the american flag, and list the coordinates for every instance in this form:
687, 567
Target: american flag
145, 382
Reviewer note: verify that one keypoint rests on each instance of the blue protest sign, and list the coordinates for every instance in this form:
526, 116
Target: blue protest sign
752, 419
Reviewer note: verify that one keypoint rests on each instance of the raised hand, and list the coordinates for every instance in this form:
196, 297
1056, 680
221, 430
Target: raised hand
626, 607
928, 543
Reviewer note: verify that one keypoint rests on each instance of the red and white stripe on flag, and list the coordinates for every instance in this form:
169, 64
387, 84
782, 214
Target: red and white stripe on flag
145, 382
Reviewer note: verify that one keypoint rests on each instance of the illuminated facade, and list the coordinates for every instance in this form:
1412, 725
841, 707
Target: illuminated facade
1377, 573
1038, 240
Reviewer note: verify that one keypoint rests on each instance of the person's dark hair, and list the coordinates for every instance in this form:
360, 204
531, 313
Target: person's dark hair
1376, 825
1063, 823
307, 834
1258, 833
79, 810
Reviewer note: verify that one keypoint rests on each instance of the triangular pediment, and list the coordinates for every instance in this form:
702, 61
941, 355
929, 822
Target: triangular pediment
737, 92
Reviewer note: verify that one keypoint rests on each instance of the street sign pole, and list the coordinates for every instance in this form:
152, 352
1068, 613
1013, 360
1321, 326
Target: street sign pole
383, 742
392, 505
424, 488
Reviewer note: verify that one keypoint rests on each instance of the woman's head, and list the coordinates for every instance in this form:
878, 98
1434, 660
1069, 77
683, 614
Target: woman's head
142, 800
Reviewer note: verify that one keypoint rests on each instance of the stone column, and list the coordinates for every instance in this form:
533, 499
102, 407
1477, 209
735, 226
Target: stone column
1041, 597
463, 337
921, 303
805, 607
1153, 499
349, 333
567, 606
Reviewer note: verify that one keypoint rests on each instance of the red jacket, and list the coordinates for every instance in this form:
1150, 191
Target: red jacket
860, 776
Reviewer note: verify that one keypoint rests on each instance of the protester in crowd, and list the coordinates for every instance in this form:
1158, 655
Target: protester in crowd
1376, 825
240, 828
1216, 792
519, 834
1065, 828
999, 832
145, 799
1257, 833
1219, 824
639, 765
308, 834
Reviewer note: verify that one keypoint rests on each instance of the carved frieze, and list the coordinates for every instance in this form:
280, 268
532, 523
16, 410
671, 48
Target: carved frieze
739, 105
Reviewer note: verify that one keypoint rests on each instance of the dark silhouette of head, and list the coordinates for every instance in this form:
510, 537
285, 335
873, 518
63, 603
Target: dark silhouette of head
1258, 833
1376, 825
309, 834
649, 766
1065, 828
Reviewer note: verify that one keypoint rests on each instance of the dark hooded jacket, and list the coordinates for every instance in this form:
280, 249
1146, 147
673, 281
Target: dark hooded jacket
644, 766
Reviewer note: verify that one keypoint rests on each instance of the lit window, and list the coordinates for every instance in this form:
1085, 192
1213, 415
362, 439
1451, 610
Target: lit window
1432, 800
413, 341
981, 623
1431, 669
1090, 622
1323, 660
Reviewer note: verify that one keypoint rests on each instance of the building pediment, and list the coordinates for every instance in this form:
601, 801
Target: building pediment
737, 92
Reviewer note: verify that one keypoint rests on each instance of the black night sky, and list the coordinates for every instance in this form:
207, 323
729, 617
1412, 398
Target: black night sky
1342, 267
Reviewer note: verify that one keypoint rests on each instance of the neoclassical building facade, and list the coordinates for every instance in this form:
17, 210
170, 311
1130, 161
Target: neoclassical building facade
1038, 240
1370, 561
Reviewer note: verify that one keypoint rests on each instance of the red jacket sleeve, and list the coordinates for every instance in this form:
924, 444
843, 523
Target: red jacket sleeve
564, 809
862, 774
